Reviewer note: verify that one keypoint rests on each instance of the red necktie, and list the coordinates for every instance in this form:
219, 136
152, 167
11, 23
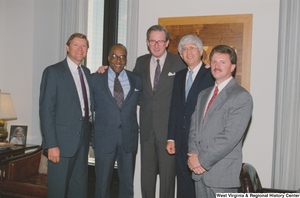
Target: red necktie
212, 99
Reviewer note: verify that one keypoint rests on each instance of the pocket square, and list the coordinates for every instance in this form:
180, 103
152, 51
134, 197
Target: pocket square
171, 74
135, 89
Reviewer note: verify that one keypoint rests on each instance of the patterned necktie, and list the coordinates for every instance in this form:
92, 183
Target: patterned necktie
189, 83
118, 91
157, 74
212, 99
84, 94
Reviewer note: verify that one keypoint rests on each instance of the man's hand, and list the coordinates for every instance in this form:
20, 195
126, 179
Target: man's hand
53, 155
194, 164
102, 69
170, 147
207, 66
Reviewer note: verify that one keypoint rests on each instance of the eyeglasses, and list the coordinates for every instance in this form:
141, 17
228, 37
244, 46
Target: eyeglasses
159, 42
116, 57
191, 48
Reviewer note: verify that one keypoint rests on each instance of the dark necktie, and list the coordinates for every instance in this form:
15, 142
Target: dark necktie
118, 91
156, 76
84, 94
212, 99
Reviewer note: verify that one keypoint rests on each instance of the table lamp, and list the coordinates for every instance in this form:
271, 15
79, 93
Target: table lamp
7, 112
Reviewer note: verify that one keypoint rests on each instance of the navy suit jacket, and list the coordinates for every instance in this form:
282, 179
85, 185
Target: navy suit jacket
181, 110
110, 120
60, 110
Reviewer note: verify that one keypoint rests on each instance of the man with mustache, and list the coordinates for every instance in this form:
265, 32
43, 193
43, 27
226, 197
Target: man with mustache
217, 128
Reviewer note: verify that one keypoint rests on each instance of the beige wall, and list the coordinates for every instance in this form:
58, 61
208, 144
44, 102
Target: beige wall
30, 38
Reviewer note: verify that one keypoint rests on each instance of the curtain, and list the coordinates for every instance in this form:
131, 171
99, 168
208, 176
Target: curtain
132, 33
286, 159
74, 15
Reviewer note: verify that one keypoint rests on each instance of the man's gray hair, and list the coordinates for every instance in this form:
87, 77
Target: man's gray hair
190, 39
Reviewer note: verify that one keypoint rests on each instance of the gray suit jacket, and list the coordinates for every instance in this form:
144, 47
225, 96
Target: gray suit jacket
60, 110
154, 108
218, 139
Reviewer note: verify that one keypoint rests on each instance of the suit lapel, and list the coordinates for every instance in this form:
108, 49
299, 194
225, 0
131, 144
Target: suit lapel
88, 78
182, 85
220, 97
132, 87
148, 85
204, 102
68, 78
194, 91
105, 88
166, 69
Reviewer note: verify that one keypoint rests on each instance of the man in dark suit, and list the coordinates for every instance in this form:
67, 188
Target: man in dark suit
157, 71
217, 127
116, 93
187, 85
64, 114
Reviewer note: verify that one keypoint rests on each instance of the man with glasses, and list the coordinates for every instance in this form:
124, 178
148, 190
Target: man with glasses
187, 85
157, 70
116, 93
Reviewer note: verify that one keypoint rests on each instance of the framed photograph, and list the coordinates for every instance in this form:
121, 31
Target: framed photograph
18, 135
232, 30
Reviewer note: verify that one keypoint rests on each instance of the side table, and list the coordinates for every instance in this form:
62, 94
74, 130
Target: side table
9, 153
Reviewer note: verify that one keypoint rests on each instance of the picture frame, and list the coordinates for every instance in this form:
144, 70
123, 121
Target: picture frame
233, 30
18, 134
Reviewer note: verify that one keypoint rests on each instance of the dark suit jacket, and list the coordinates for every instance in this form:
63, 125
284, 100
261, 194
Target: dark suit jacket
218, 139
60, 110
154, 108
181, 110
109, 119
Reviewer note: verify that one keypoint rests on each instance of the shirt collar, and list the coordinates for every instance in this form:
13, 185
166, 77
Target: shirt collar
197, 68
73, 67
161, 59
223, 84
112, 73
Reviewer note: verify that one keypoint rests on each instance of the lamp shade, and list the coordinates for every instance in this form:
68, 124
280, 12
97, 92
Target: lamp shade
7, 111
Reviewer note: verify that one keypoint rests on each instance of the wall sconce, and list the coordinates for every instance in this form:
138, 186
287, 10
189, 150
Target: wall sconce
7, 112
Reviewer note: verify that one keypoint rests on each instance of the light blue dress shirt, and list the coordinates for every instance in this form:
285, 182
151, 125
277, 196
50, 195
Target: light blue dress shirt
123, 78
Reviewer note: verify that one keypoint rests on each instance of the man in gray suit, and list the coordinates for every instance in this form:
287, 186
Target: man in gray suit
217, 127
157, 71
64, 114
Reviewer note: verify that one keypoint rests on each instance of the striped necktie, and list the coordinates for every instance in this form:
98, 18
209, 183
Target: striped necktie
189, 83
156, 76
